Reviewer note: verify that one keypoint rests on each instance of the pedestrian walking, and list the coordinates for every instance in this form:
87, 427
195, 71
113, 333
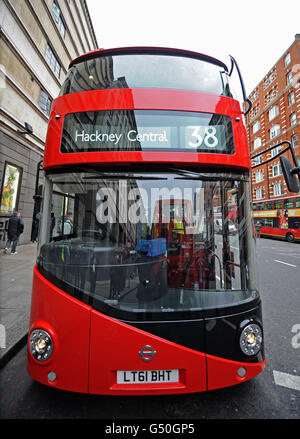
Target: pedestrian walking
36, 224
52, 224
257, 228
68, 224
14, 230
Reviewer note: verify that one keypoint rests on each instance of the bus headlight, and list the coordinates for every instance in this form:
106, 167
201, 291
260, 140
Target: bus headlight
251, 339
40, 344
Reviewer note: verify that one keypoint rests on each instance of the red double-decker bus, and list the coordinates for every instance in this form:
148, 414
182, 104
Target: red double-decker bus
279, 218
135, 290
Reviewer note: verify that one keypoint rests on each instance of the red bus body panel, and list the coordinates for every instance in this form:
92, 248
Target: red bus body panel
88, 345
68, 322
276, 232
158, 99
109, 350
221, 370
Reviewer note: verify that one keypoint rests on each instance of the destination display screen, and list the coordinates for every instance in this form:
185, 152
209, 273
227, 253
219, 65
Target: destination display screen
147, 130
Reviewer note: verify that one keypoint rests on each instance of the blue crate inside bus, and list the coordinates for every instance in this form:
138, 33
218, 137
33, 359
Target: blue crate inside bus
153, 247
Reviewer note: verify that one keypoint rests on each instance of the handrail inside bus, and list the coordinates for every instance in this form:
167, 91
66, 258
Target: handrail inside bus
220, 264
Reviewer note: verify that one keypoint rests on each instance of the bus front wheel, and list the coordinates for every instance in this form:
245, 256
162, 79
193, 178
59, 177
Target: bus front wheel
290, 237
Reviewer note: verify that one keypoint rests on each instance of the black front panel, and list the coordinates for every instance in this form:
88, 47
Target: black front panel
189, 333
222, 335
217, 336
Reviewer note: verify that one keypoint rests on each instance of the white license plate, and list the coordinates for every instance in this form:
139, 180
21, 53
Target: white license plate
147, 376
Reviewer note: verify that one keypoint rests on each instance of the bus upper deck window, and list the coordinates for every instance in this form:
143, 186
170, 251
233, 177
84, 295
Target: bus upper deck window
278, 204
142, 70
268, 205
289, 203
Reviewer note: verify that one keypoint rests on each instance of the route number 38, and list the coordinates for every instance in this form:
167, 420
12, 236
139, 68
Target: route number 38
198, 136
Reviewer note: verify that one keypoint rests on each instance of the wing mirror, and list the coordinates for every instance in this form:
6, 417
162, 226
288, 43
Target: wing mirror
288, 171
289, 174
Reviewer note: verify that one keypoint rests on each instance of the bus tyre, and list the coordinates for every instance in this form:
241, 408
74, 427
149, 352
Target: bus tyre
290, 237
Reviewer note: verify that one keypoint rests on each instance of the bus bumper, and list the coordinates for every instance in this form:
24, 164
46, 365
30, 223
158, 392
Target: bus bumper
91, 350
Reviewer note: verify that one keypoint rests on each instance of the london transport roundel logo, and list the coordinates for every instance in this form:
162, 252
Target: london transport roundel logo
147, 353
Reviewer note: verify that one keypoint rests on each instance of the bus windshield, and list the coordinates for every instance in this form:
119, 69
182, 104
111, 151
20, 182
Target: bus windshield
152, 243
147, 71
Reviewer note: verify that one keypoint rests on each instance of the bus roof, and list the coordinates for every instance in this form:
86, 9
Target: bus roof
147, 50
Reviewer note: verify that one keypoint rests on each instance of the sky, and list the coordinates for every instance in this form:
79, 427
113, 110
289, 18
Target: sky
256, 32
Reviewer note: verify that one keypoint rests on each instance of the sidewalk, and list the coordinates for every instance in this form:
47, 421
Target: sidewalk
16, 272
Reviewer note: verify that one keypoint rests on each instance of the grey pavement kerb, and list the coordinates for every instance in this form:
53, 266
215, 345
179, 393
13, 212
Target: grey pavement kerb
16, 273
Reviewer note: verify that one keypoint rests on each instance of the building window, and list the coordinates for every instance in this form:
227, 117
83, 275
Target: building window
289, 78
56, 12
52, 60
274, 131
254, 111
295, 140
271, 95
259, 192
270, 78
276, 170
258, 176
273, 112
257, 160
278, 189
291, 98
287, 59
254, 96
257, 142
275, 151
293, 119
45, 102
256, 126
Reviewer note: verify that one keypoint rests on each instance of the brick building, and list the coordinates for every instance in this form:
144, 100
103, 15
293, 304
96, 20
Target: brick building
38, 39
275, 117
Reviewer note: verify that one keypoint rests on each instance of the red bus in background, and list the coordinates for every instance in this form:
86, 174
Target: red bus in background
126, 301
279, 218
187, 262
